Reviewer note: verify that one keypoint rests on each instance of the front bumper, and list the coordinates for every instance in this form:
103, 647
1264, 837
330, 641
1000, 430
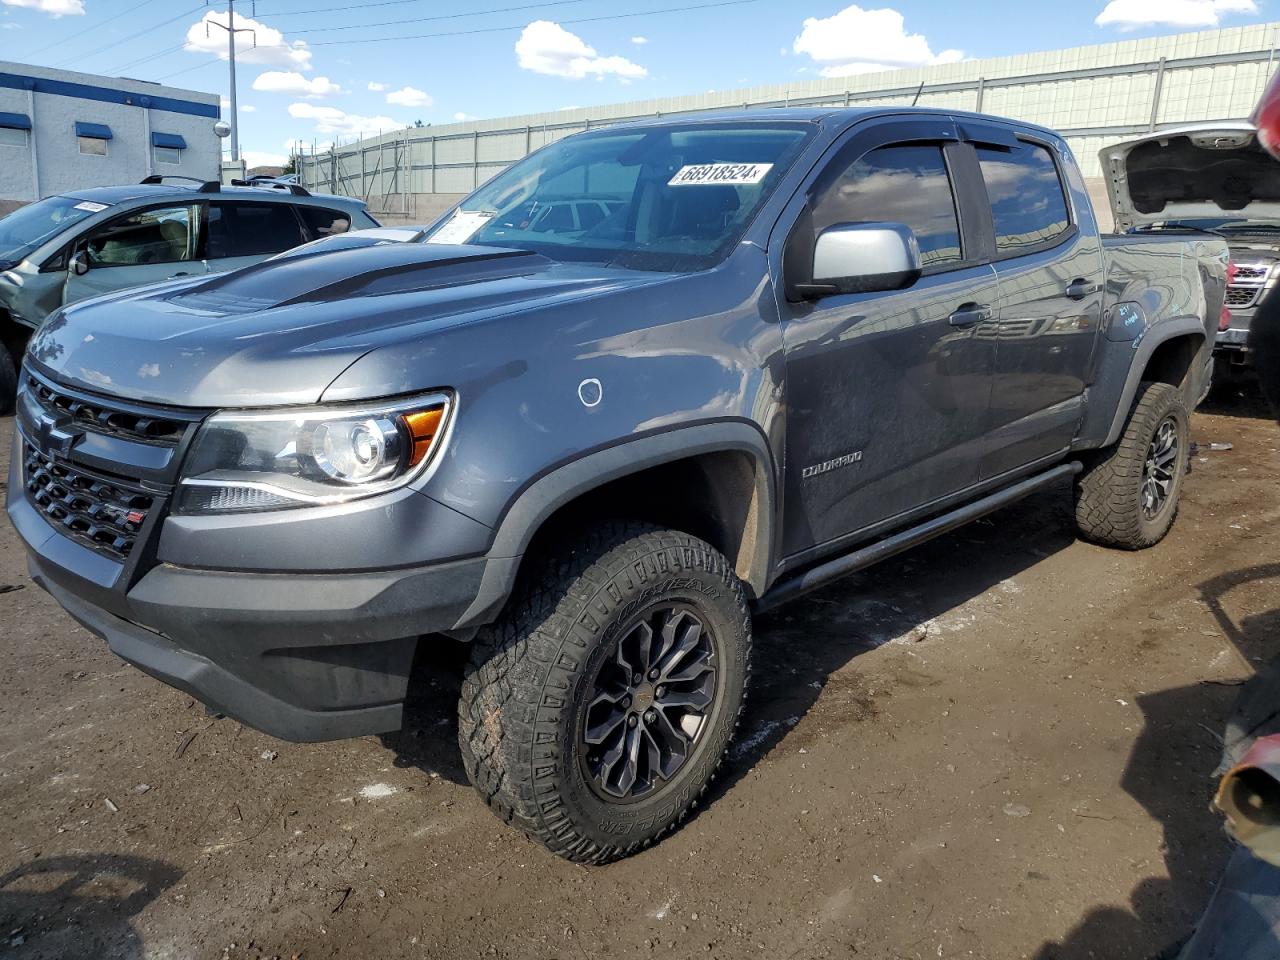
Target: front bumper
301, 657
303, 623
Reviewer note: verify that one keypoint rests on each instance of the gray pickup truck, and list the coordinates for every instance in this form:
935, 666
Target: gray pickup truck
793, 343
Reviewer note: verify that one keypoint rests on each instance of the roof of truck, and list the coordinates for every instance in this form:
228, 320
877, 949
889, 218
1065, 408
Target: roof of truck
819, 114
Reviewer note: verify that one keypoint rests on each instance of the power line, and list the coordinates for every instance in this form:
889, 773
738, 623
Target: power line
394, 3
521, 26
143, 33
81, 33
444, 16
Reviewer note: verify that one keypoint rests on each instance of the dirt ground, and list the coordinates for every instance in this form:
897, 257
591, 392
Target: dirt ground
999, 746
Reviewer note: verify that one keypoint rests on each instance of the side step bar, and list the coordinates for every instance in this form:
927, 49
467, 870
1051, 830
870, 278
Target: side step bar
795, 586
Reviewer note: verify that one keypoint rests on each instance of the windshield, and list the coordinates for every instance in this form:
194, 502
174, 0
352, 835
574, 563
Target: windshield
667, 198
30, 226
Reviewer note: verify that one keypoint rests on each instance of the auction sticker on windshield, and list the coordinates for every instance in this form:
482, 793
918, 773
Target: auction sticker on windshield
90, 206
720, 174
464, 225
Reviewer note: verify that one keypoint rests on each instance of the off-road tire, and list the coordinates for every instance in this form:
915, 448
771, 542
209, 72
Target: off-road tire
8, 380
1108, 494
531, 674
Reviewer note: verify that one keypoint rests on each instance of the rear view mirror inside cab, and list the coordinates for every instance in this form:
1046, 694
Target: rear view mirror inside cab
856, 258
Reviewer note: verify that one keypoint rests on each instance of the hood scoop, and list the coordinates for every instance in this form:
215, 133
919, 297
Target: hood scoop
363, 272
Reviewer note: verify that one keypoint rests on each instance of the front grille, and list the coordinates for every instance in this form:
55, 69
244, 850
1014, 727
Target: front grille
1240, 297
103, 419
1252, 271
103, 513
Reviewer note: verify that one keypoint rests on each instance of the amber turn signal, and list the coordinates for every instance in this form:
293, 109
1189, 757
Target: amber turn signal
423, 427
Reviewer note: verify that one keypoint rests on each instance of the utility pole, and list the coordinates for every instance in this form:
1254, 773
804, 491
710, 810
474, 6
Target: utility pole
232, 30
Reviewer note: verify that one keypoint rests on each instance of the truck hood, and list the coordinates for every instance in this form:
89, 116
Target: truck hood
281, 331
1204, 171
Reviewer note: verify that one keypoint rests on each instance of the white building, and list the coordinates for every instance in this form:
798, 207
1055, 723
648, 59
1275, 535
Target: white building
61, 130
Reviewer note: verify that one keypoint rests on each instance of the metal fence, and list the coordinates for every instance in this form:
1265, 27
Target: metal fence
1090, 105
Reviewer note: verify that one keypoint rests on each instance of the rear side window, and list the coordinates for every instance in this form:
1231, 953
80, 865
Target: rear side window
1028, 203
251, 230
325, 223
905, 184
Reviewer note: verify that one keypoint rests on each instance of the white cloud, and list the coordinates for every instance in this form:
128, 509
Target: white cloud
639, 41
460, 116
859, 41
1131, 14
244, 107
377, 87
305, 146
9, 25
56, 8
265, 46
278, 81
409, 97
548, 48
333, 120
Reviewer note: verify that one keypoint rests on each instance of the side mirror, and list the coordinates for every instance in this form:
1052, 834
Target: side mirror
80, 264
862, 258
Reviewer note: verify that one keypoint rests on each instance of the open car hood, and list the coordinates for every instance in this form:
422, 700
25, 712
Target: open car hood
1211, 170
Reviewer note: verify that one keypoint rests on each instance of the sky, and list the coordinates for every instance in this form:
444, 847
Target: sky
316, 71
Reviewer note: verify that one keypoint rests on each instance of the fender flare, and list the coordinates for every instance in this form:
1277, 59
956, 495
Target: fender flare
1158, 335
562, 484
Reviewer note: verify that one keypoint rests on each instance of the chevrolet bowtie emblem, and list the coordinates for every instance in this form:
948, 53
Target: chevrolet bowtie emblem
56, 435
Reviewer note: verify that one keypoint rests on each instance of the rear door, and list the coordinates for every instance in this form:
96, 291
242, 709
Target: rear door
243, 232
1048, 260
887, 393
144, 246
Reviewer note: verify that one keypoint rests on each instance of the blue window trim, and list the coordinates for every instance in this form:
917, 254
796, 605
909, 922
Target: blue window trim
85, 91
96, 131
172, 140
15, 121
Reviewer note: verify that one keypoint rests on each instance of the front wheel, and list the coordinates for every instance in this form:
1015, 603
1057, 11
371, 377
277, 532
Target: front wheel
1127, 497
596, 711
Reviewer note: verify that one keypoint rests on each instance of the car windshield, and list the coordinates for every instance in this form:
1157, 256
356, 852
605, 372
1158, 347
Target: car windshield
30, 226
660, 198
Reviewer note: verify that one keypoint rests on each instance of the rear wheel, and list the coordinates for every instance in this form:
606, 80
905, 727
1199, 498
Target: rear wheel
595, 713
1128, 495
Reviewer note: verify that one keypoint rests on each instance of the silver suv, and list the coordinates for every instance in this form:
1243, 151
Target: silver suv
104, 239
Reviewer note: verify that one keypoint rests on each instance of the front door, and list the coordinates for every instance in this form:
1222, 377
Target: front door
1051, 304
142, 247
887, 393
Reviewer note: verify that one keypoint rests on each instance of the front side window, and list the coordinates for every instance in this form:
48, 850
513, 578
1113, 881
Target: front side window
674, 197
1028, 203
251, 230
163, 235
92, 146
898, 184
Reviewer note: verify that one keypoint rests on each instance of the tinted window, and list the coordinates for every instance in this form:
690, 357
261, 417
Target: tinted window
325, 223
251, 230
1027, 200
906, 185
150, 236
558, 218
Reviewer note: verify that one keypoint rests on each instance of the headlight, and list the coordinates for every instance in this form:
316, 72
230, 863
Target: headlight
316, 455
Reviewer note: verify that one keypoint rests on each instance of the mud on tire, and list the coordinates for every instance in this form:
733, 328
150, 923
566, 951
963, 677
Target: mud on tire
548, 677
1113, 499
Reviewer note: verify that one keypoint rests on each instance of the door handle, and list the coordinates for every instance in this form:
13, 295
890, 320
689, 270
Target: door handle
970, 314
1079, 289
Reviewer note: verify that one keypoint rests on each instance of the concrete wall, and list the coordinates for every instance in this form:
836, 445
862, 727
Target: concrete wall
52, 162
1095, 96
